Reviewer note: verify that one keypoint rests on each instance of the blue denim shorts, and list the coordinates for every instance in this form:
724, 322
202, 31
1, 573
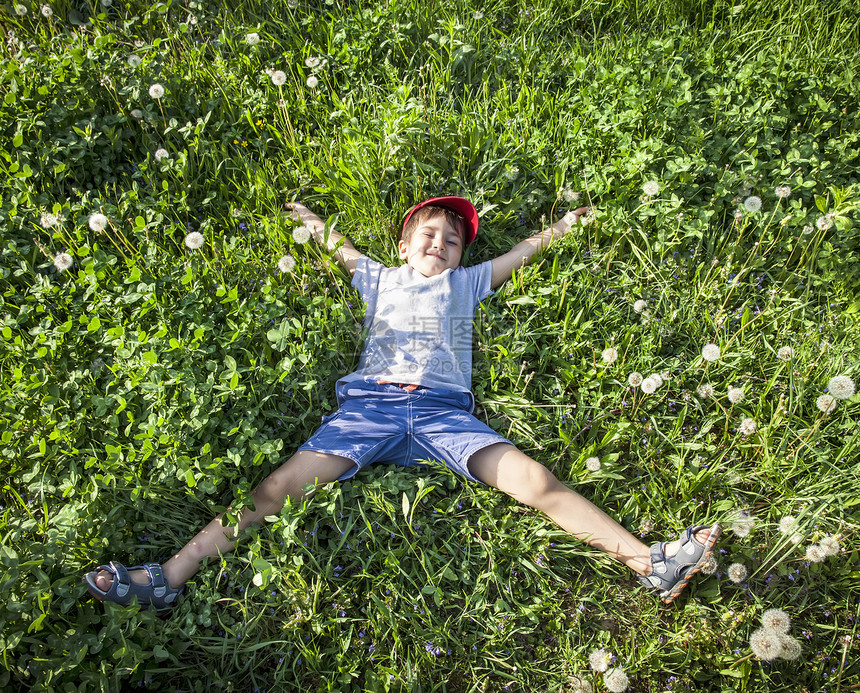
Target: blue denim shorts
384, 423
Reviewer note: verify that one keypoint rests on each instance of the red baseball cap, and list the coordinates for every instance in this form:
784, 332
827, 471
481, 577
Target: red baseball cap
460, 205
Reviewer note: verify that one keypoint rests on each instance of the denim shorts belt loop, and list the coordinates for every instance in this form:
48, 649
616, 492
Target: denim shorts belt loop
388, 424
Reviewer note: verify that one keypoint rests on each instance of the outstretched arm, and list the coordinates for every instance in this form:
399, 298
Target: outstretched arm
522, 253
345, 253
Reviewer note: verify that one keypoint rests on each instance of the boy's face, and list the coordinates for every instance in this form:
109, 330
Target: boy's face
435, 246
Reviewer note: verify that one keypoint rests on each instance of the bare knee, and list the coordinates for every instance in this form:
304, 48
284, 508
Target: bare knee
535, 482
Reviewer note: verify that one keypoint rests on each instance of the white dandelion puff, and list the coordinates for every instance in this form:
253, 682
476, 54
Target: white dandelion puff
134, 61
252, 39
194, 240
785, 353
156, 91
640, 305
789, 647
743, 524
592, 464
279, 78
578, 685
747, 427
46, 11
599, 660
710, 352
48, 221
766, 644
287, 263
107, 3
136, 113
787, 524
20, 10
737, 573
830, 546
815, 554
841, 387
776, 620
651, 188
635, 379
609, 355
735, 394
312, 62
782, 191
161, 153
312, 82
98, 222
706, 390
824, 222
616, 680
301, 234
709, 567
808, 229
649, 386
477, 14
657, 378
826, 404
292, 4
752, 203
62, 261
569, 195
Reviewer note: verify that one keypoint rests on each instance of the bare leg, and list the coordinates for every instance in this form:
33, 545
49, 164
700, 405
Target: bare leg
506, 468
303, 468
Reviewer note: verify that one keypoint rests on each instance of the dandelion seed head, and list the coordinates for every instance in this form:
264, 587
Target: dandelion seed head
97, 221
136, 113
830, 546
477, 14
106, 3
784, 353
161, 153
46, 11
709, 567
48, 221
651, 188
815, 554
710, 352
635, 379
640, 305
62, 261
134, 61
826, 404
569, 195
592, 464
292, 4
743, 524
786, 524
649, 385
706, 390
301, 234
194, 240
20, 10
841, 387
287, 263
790, 648
599, 660
752, 203
782, 191
735, 394
657, 378
609, 355
766, 644
776, 620
824, 223
156, 91
312, 82
312, 62
279, 78
747, 427
616, 680
252, 39
737, 573
578, 685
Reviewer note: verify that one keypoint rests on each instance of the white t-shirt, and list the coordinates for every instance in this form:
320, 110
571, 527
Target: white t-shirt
419, 328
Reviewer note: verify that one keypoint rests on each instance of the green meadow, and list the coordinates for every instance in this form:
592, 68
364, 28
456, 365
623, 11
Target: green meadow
156, 362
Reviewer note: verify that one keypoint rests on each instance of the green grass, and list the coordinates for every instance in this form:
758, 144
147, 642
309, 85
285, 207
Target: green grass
149, 386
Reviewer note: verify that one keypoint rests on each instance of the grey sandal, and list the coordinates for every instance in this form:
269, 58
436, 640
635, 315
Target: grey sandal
670, 574
158, 594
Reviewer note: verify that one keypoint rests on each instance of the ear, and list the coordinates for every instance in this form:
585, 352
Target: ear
402, 247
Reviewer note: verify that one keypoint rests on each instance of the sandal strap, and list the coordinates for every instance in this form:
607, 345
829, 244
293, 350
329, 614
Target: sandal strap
157, 581
121, 581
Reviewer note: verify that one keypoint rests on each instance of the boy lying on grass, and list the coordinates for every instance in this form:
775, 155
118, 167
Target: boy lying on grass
409, 400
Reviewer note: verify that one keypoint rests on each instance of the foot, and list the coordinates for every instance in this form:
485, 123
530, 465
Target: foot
104, 579
155, 591
673, 564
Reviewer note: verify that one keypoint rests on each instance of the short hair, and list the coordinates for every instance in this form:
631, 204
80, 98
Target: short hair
455, 219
